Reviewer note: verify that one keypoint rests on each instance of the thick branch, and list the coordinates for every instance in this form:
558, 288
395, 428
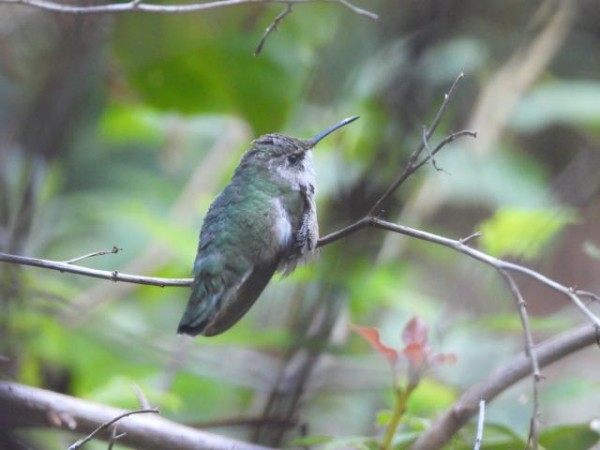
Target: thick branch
23, 406
467, 406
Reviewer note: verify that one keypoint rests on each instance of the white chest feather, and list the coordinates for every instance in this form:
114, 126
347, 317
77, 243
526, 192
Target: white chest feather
282, 228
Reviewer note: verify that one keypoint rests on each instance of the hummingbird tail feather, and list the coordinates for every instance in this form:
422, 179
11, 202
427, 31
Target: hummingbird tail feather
213, 314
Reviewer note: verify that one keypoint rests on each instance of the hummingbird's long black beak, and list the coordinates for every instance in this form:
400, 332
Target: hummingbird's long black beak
315, 140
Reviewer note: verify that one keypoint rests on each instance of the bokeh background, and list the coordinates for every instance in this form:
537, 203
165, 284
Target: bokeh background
120, 130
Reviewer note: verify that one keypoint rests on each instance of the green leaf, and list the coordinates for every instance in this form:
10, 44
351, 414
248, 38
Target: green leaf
335, 443
591, 249
507, 176
404, 440
563, 102
495, 437
352, 443
430, 397
569, 436
503, 323
196, 64
124, 123
311, 440
522, 232
383, 418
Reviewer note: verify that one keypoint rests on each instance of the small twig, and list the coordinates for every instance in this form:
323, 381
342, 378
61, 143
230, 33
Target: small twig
447, 97
114, 437
470, 237
430, 155
278, 19
94, 273
105, 425
115, 249
591, 295
357, 10
480, 423
142, 399
530, 352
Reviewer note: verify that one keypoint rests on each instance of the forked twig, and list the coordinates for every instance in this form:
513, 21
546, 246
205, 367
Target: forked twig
278, 19
115, 249
77, 445
412, 165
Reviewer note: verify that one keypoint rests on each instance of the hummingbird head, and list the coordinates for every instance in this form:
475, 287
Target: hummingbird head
287, 156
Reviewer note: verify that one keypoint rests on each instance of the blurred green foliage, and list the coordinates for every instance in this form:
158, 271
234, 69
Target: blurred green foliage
172, 95
524, 233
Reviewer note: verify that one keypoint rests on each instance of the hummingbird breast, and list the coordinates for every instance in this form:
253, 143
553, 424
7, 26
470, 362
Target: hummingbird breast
296, 229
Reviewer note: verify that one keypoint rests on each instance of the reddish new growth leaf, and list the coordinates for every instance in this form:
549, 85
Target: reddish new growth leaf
417, 351
415, 332
415, 337
372, 335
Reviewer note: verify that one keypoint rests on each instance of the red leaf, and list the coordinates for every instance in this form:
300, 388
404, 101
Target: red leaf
415, 332
372, 335
416, 354
444, 358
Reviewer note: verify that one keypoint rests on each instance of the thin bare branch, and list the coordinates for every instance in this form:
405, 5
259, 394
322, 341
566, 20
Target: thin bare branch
594, 297
412, 164
141, 396
498, 264
480, 423
447, 98
347, 231
90, 255
278, 19
114, 437
106, 425
430, 155
94, 273
139, 5
470, 237
460, 246
357, 10
530, 352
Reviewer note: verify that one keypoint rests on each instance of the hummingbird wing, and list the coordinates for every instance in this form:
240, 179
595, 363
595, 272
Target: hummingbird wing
216, 304
230, 270
239, 299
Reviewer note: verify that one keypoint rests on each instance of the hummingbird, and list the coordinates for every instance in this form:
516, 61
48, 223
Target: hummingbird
264, 221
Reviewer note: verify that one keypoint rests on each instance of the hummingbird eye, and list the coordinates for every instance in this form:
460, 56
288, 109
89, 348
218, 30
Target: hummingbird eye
294, 158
